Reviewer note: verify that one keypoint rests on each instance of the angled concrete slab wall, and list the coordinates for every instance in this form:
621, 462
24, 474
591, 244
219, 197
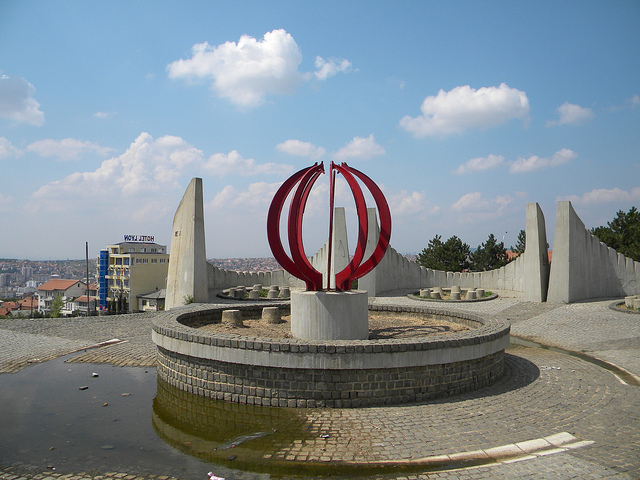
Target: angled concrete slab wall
583, 267
187, 275
536, 256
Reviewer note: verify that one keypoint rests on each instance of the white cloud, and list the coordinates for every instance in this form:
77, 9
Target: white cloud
604, 195
233, 163
474, 202
7, 150
147, 167
465, 108
66, 149
104, 114
533, 163
6, 203
406, 203
360, 147
17, 102
570, 114
479, 164
328, 68
634, 101
301, 149
247, 71
250, 200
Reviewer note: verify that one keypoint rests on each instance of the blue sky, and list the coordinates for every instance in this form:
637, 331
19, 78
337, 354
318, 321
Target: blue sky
463, 112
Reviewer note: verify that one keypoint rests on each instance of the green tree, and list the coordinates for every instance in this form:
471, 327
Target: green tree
622, 233
489, 256
521, 243
450, 256
56, 306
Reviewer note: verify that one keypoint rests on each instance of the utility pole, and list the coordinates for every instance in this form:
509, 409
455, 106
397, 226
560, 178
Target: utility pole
88, 283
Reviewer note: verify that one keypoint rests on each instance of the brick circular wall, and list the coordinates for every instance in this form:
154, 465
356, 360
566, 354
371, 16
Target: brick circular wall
294, 373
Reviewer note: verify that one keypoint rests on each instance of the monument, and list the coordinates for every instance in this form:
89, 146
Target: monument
328, 309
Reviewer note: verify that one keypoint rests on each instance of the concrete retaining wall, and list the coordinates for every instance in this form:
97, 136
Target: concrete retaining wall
583, 267
295, 373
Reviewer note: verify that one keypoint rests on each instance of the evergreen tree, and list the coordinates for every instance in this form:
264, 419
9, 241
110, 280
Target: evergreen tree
489, 256
56, 306
521, 243
450, 256
622, 233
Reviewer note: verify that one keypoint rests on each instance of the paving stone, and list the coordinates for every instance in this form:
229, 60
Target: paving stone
546, 402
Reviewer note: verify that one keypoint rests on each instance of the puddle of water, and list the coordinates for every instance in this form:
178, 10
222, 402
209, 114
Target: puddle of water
127, 421
48, 422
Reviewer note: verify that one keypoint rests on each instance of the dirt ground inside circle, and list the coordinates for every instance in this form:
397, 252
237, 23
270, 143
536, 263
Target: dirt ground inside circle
382, 325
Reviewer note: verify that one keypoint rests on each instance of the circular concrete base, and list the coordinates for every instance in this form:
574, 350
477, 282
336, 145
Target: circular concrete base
330, 315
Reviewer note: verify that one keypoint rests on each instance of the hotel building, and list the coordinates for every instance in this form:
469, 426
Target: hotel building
129, 269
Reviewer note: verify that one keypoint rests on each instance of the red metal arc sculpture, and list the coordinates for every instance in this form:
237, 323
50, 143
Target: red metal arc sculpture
298, 264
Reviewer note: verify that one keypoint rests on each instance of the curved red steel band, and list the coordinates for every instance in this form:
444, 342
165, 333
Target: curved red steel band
385, 225
311, 276
300, 266
273, 223
343, 277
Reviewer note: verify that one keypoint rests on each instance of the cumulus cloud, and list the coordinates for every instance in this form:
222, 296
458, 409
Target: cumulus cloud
7, 150
66, 149
464, 108
404, 203
360, 147
149, 166
6, 203
570, 114
249, 200
474, 202
604, 195
102, 115
328, 68
479, 164
634, 101
17, 102
301, 149
222, 164
534, 163
247, 71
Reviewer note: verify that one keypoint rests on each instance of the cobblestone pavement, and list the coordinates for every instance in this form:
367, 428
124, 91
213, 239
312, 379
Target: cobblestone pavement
507, 430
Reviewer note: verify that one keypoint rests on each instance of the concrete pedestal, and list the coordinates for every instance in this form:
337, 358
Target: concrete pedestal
330, 315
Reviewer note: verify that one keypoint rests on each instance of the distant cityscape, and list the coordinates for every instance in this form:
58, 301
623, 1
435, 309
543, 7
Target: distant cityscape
23, 277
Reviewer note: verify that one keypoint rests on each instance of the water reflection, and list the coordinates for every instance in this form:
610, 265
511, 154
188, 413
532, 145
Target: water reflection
239, 436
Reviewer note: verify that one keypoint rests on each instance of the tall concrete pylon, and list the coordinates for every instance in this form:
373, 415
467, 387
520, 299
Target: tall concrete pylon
583, 267
188, 260
536, 256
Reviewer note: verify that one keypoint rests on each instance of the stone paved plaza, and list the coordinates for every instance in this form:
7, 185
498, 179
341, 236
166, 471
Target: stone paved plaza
553, 415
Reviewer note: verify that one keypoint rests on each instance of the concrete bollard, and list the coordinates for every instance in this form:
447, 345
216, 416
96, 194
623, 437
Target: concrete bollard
471, 295
273, 294
425, 292
454, 295
456, 289
254, 294
479, 292
257, 287
232, 293
628, 301
240, 291
232, 318
285, 292
436, 294
271, 315
636, 303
